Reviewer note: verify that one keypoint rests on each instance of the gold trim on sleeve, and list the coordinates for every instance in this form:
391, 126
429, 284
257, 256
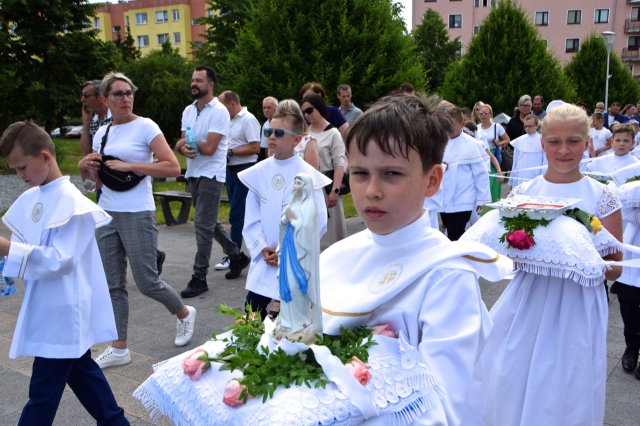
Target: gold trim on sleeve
346, 314
477, 259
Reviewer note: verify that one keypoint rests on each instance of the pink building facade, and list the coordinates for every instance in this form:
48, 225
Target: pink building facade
562, 24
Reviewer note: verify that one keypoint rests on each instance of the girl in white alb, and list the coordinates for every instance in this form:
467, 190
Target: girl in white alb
545, 360
528, 157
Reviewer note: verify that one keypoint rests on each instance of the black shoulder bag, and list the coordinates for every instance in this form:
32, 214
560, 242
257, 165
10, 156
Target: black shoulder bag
115, 179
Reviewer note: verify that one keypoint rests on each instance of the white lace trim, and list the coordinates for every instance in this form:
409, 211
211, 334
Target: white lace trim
629, 194
400, 385
563, 249
607, 203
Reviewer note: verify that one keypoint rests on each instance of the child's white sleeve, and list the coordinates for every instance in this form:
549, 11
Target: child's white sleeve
252, 234
481, 179
62, 248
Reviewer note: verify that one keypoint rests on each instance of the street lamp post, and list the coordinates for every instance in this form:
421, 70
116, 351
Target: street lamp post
608, 41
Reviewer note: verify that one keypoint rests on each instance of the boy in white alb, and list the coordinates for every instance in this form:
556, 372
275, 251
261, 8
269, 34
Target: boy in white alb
622, 144
270, 184
401, 272
66, 307
465, 185
527, 154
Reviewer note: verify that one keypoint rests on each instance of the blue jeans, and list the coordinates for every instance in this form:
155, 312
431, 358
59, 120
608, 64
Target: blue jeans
206, 200
86, 380
237, 193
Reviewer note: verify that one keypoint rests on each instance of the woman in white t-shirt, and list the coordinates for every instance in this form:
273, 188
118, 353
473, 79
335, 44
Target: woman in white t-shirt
132, 141
494, 137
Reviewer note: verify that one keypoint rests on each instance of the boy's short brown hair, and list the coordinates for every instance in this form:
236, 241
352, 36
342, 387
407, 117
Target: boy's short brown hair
29, 136
412, 121
624, 128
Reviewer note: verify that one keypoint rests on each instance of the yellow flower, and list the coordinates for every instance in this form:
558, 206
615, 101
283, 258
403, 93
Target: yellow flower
596, 226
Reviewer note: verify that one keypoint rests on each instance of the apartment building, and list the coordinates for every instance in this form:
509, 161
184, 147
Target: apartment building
562, 24
153, 22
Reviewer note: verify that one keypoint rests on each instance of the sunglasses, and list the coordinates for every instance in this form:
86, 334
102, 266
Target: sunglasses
308, 110
279, 133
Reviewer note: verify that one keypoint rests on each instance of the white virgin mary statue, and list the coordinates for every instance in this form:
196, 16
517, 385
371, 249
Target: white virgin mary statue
300, 317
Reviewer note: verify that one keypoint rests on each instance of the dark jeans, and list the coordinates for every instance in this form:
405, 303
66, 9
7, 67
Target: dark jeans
86, 380
629, 298
258, 303
454, 223
237, 193
206, 200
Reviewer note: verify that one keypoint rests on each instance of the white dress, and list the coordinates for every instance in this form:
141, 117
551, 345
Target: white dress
527, 154
545, 360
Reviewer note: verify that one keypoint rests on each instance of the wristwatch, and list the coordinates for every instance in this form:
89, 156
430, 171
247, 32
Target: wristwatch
336, 190
230, 153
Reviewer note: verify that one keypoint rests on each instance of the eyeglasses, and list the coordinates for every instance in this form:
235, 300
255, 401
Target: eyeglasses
88, 95
308, 110
119, 96
484, 113
279, 133
526, 105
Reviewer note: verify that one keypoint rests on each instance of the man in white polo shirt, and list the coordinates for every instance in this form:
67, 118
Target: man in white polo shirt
243, 149
206, 173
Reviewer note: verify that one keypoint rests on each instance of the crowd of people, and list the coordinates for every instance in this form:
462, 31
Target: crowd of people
415, 165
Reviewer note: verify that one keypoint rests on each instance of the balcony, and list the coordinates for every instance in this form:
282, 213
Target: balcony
631, 26
633, 1
631, 54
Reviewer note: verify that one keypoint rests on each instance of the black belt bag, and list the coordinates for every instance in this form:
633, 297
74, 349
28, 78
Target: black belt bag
115, 179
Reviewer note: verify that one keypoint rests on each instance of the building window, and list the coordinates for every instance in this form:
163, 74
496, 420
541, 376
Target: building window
141, 18
572, 45
601, 16
209, 13
635, 14
126, 18
163, 38
630, 68
195, 21
429, 1
176, 14
162, 16
116, 29
455, 21
634, 43
143, 41
476, 28
574, 17
176, 38
96, 22
542, 18
484, 3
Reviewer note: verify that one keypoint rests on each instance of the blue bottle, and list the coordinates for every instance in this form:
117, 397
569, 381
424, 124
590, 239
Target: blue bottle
190, 137
7, 285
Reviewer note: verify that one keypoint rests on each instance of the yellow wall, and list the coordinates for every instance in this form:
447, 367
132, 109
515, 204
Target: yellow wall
153, 28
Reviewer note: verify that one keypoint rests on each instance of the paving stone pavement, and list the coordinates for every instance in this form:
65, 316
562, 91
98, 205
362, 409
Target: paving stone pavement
152, 331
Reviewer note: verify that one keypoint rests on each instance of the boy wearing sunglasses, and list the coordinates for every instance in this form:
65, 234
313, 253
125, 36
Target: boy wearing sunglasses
270, 184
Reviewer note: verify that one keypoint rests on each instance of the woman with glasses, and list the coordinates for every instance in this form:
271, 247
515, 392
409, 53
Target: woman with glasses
494, 137
331, 155
129, 144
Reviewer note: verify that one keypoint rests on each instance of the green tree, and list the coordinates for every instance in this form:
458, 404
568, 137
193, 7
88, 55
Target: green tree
588, 67
434, 48
130, 51
163, 79
222, 29
289, 42
47, 51
505, 60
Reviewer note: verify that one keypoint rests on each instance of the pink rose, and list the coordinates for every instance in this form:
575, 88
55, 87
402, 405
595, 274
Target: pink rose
196, 363
520, 240
360, 370
232, 393
383, 330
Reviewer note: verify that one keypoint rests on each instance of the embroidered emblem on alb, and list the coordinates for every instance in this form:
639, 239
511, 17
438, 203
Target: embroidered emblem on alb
36, 214
277, 182
385, 278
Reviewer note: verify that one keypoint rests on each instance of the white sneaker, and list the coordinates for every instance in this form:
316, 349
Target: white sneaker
109, 358
224, 264
185, 326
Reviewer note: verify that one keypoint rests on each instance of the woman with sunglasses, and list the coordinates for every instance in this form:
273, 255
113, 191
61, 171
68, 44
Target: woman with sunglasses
331, 155
132, 141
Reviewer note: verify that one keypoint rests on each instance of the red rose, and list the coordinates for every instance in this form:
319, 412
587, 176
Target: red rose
520, 240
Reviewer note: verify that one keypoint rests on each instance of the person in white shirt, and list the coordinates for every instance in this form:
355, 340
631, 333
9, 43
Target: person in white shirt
599, 136
527, 154
465, 185
622, 144
206, 173
269, 105
243, 149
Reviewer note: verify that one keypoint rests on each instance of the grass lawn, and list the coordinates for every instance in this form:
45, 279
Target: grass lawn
68, 153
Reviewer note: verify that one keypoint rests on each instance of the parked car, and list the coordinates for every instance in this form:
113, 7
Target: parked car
72, 132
